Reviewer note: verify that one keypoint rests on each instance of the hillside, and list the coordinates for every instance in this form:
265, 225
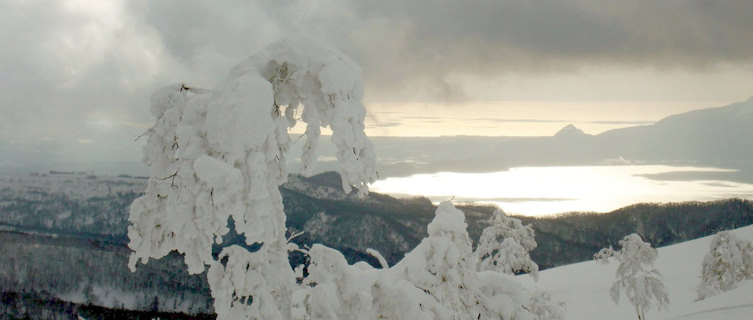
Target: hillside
584, 287
68, 226
56, 277
393, 226
96, 207
575, 237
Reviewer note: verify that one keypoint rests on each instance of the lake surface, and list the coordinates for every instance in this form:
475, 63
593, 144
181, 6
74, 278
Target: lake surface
537, 191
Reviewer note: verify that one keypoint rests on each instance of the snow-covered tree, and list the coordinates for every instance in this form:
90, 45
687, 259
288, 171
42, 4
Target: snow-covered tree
219, 155
543, 308
636, 275
504, 246
436, 280
729, 261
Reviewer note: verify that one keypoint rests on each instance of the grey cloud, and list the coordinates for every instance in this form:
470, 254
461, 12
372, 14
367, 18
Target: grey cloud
385, 124
407, 49
410, 50
438, 38
420, 118
562, 121
70, 75
520, 120
622, 122
61, 67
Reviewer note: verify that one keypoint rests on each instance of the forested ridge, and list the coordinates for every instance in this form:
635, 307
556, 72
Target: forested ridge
84, 236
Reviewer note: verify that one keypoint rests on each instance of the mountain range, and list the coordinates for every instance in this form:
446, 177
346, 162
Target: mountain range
710, 137
707, 137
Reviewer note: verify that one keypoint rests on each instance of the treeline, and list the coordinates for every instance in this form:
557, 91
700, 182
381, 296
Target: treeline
79, 272
394, 226
574, 237
318, 207
35, 306
60, 213
659, 224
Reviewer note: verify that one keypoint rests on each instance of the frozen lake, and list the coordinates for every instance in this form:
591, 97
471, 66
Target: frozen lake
548, 190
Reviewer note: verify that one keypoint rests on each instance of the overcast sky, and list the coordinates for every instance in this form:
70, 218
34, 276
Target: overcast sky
81, 72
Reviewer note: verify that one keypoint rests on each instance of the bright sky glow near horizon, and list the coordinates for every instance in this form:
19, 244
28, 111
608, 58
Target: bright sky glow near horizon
77, 75
514, 118
518, 118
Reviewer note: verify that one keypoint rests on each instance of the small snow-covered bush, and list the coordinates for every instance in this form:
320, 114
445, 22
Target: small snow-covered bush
543, 308
635, 274
729, 261
219, 154
505, 244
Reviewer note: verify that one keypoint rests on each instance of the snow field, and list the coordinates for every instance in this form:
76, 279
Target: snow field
584, 287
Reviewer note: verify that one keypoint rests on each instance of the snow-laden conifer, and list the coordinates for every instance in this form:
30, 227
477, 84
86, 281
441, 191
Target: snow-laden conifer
729, 261
636, 275
504, 246
220, 154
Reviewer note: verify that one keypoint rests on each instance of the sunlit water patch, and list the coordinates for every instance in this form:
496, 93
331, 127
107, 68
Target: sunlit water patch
549, 190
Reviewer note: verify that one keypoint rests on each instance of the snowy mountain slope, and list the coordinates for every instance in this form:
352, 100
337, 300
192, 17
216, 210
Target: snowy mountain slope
584, 287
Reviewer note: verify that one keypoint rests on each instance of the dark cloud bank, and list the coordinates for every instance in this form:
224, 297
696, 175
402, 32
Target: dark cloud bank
85, 71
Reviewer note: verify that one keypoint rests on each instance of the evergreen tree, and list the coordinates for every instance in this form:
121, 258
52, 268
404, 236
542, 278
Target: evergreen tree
635, 274
729, 261
505, 245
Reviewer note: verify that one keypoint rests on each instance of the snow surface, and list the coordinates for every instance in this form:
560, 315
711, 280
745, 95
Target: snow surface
75, 185
584, 287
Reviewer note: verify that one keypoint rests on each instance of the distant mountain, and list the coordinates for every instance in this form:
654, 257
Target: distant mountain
714, 137
718, 136
570, 131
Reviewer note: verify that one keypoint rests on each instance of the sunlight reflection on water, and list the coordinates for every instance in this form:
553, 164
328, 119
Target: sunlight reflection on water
549, 190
